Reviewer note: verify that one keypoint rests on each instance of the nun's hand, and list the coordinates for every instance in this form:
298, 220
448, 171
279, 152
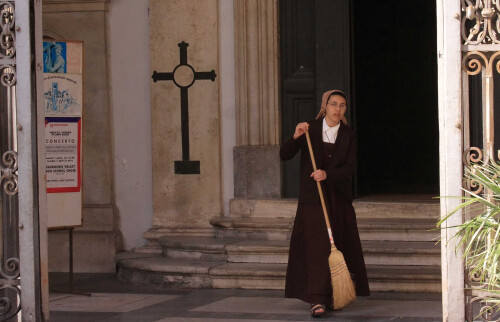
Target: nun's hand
300, 129
319, 175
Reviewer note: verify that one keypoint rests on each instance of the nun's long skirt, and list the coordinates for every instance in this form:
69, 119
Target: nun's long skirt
308, 274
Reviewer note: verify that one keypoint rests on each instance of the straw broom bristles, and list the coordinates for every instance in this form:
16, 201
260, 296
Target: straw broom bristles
344, 292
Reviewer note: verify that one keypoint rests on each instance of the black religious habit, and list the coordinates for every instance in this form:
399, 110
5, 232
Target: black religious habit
308, 273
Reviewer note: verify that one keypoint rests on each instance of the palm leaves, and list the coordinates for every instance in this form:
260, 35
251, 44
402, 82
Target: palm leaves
480, 235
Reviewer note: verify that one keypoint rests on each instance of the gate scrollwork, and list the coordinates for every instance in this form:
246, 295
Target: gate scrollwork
480, 32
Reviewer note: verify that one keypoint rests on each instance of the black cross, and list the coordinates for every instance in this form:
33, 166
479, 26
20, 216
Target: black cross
185, 166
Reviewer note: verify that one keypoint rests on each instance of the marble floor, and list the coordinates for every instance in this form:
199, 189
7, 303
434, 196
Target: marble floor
112, 300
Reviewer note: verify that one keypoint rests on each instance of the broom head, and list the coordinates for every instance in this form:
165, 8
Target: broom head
344, 292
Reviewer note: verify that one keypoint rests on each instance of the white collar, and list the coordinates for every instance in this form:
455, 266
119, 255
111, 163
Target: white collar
327, 128
330, 133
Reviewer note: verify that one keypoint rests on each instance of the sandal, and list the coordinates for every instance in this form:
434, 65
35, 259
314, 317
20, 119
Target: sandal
317, 310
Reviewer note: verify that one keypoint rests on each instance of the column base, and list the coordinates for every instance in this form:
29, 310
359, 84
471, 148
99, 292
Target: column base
257, 171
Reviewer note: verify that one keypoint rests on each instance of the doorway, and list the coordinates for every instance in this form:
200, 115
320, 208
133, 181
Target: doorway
386, 63
395, 85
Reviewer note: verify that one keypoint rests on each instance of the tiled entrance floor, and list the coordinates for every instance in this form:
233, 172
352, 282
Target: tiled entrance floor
112, 300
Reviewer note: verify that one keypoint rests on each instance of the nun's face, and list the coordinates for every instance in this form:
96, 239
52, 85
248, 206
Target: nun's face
335, 109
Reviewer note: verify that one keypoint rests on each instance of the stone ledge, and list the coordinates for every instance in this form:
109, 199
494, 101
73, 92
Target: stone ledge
276, 251
195, 274
129, 255
287, 223
254, 246
58, 6
396, 224
406, 286
199, 248
253, 223
404, 272
282, 246
249, 269
140, 277
149, 249
195, 243
402, 229
365, 208
161, 264
400, 247
154, 233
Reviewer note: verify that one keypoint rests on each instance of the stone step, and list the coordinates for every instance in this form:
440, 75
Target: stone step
365, 208
401, 253
168, 272
249, 276
276, 251
259, 251
398, 229
149, 249
195, 248
253, 228
411, 209
399, 278
230, 250
401, 229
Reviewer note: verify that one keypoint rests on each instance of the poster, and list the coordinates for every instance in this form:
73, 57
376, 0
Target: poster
63, 57
74, 62
62, 154
63, 76
54, 57
63, 94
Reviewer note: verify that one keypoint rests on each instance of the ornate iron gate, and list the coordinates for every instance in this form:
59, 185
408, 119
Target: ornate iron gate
20, 35
480, 32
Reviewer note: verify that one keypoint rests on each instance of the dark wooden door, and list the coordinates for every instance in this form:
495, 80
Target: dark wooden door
315, 57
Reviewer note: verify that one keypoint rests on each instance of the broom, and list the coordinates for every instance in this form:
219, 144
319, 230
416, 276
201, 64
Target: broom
342, 284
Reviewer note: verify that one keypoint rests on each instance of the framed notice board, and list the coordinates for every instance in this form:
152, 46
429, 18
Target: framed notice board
63, 91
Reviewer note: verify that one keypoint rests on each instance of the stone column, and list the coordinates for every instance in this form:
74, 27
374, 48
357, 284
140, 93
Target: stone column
450, 156
256, 161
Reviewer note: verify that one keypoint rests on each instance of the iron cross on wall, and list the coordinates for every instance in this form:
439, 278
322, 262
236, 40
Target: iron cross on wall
184, 77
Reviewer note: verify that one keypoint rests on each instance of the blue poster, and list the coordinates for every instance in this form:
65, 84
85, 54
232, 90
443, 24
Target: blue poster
54, 57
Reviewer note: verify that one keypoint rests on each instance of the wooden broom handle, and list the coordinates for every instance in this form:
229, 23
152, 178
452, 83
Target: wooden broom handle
323, 205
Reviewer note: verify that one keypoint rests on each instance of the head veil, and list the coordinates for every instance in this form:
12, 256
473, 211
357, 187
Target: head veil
324, 100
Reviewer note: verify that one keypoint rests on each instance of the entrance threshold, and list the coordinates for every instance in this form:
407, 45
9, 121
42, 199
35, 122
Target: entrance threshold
423, 198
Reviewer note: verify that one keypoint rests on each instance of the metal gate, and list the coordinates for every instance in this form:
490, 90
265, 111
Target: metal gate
20, 71
480, 34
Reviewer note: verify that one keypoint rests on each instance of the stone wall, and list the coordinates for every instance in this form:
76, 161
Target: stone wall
128, 43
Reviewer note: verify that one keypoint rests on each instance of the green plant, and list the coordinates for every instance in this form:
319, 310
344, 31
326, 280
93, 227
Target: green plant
480, 235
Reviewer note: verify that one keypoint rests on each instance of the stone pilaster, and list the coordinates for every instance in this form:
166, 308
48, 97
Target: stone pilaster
185, 201
256, 160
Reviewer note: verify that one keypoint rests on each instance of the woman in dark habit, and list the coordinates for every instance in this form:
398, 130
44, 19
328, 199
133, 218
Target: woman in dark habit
334, 146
